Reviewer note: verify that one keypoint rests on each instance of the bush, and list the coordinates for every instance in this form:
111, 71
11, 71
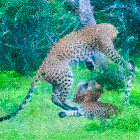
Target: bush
111, 78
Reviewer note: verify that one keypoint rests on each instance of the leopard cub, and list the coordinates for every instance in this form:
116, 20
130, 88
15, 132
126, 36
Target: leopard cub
87, 97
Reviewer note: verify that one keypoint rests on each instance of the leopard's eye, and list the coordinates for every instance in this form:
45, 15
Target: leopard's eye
85, 85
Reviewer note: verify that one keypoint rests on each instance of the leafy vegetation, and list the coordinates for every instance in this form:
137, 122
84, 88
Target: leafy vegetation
29, 28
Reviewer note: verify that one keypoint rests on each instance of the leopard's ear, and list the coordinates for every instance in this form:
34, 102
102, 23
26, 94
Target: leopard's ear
98, 86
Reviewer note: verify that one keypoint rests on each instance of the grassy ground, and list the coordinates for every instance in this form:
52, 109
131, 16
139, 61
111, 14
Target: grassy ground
39, 120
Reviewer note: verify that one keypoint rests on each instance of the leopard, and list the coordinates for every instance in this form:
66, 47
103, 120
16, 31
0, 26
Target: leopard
74, 48
88, 94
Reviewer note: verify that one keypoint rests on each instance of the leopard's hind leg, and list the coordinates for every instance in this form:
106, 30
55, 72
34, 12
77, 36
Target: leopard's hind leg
61, 87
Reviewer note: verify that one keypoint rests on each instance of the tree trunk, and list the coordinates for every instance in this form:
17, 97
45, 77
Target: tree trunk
86, 14
84, 10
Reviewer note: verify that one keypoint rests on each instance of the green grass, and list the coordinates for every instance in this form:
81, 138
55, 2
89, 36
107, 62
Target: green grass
39, 120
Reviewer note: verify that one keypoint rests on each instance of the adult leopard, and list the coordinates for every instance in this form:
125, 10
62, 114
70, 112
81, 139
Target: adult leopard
80, 46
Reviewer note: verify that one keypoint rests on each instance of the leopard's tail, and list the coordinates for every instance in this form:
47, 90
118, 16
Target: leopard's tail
133, 70
26, 100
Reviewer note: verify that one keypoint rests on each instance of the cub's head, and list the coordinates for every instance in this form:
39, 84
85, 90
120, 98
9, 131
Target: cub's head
88, 91
80, 96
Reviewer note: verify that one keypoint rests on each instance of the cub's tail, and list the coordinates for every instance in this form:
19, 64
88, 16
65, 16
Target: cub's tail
26, 100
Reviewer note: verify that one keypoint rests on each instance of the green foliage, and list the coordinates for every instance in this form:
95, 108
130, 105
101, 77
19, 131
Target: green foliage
28, 29
111, 78
125, 16
80, 73
39, 118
